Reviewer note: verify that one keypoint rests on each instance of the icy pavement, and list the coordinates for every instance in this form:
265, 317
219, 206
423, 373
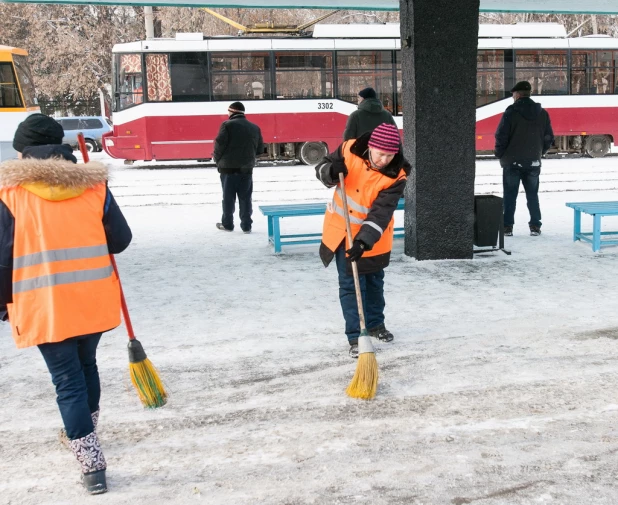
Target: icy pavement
499, 389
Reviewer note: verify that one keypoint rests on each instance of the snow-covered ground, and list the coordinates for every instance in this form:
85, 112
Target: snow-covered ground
501, 386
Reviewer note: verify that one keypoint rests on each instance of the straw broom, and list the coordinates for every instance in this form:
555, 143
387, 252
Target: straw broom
144, 375
365, 381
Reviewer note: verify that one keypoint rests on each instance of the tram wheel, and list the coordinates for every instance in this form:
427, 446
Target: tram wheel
312, 152
597, 146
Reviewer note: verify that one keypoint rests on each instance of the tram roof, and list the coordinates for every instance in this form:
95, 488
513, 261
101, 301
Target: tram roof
391, 30
372, 37
549, 6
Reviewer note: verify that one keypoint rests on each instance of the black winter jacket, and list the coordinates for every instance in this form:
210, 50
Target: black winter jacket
370, 114
382, 208
238, 143
117, 230
524, 135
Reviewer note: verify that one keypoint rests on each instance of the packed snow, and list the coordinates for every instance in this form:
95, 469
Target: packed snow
500, 388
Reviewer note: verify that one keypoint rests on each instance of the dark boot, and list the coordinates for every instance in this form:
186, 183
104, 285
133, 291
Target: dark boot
535, 231
87, 451
354, 351
95, 482
381, 333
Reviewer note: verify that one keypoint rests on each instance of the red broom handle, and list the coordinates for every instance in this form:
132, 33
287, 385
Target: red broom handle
125, 311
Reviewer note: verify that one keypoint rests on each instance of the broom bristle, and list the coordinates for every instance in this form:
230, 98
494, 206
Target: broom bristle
365, 381
148, 384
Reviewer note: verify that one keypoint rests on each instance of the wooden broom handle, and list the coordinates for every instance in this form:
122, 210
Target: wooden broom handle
359, 296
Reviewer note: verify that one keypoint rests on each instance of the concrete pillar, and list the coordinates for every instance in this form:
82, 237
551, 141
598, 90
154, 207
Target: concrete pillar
439, 44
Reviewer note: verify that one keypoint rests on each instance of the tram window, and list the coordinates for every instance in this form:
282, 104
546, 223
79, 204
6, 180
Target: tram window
359, 69
189, 74
489, 77
158, 78
129, 85
546, 70
304, 75
241, 76
9, 92
24, 77
594, 72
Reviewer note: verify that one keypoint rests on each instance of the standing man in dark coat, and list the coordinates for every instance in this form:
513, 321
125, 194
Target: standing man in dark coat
238, 143
523, 136
370, 115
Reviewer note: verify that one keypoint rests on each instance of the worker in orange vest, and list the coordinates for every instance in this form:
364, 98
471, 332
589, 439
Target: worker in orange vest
375, 173
58, 289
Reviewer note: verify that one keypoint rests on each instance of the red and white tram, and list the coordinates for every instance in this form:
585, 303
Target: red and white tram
171, 95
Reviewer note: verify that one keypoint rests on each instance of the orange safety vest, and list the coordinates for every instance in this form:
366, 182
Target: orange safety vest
362, 186
63, 282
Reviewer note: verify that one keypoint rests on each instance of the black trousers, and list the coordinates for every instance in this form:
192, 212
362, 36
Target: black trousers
233, 185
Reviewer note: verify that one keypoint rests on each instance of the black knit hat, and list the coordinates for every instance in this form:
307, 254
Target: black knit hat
521, 86
367, 93
236, 107
37, 130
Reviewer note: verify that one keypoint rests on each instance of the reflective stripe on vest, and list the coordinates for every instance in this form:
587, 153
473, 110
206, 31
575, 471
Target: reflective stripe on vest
358, 208
46, 281
74, 253
351, 204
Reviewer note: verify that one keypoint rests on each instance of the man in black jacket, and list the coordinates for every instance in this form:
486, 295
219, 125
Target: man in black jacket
523, 136
370, 114
238, 143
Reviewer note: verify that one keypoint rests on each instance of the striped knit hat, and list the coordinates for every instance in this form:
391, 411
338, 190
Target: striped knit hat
385, 138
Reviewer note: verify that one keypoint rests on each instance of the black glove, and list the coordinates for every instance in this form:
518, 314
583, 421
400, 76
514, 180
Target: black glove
338, 167
356, 251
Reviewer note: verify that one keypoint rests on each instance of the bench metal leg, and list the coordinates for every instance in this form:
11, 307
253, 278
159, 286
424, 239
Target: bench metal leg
596, 233
276, 234
270, 227
577, 225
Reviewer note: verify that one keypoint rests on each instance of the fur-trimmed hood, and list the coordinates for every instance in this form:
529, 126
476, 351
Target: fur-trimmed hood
52, 179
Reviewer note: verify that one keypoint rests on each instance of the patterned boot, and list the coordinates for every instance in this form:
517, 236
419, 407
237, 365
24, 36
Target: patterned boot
88, 452
62, 435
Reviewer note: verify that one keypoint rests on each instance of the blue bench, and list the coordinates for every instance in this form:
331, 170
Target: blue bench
597, 210
276, 212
